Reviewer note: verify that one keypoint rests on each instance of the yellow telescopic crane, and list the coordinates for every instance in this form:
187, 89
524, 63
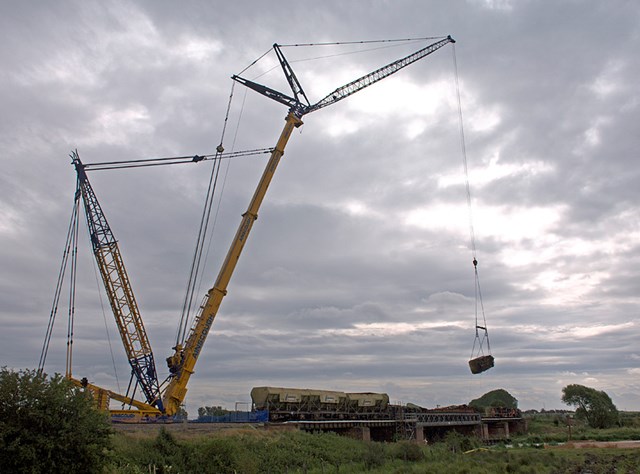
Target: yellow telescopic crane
182, 362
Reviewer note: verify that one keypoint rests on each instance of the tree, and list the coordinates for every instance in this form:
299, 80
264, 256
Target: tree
49, 425
592, 405
499, 398
208, 412
181, 414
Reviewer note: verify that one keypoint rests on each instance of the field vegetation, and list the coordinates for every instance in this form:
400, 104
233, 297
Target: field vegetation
47, 425
560, 427
544, 449
256, 451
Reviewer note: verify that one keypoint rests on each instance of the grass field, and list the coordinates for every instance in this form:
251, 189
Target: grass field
556, 428
251, 451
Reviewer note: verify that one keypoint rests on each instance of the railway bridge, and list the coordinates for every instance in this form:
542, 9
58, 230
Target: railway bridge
421, 427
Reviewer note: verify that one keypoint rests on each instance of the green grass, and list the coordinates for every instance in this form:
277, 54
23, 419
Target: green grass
298, 452
550, 428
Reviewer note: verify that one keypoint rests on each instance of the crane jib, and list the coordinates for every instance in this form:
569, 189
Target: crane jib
377, 75
301, 109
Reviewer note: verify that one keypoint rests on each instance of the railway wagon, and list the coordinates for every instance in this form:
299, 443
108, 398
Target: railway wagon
368, 402
286, 404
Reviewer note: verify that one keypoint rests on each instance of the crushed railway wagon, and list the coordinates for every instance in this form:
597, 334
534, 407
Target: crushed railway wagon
286, 404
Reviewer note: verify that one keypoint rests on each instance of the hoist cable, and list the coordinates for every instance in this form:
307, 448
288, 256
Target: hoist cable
72, 297
255, 61
174, 160
204, 221
224, 179
336, 43
226, 115
479, 306
327, 56
202, 232
198, 275
197, 255
464, 155
478, 341
60, 282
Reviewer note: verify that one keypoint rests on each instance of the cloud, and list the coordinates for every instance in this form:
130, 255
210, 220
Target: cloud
358, 273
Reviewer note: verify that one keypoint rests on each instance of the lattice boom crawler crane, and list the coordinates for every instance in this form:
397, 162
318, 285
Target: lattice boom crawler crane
166, 399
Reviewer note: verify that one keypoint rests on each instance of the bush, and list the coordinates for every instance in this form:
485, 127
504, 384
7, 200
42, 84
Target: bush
49, 425
408, 451
374, 456
458, 443
223, 455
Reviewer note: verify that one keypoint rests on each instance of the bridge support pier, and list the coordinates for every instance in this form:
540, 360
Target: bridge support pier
360, 432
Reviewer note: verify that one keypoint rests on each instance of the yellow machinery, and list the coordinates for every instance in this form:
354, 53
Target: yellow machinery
164, 400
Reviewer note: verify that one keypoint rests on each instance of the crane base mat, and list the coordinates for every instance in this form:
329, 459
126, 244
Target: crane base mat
480, 364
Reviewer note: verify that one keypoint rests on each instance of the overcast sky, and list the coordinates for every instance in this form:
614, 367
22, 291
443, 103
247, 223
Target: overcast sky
358, 274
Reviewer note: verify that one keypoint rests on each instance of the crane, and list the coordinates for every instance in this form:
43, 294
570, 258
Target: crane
166, 399
118, 287
182, 362
120, 295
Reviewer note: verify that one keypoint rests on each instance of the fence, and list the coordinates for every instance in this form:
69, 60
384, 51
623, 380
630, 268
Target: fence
258, 416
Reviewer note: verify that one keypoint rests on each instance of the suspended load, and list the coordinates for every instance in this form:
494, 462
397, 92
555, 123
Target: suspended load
480, 362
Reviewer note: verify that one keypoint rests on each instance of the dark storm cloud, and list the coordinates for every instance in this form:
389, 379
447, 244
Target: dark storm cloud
358, 272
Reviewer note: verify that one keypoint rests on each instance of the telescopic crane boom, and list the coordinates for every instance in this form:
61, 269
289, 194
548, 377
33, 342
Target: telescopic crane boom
182, 362
167, 399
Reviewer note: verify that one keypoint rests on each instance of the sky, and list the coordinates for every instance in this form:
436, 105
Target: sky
358, 273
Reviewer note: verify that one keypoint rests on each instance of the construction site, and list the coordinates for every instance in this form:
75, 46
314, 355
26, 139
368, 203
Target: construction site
428, 426
152, 399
